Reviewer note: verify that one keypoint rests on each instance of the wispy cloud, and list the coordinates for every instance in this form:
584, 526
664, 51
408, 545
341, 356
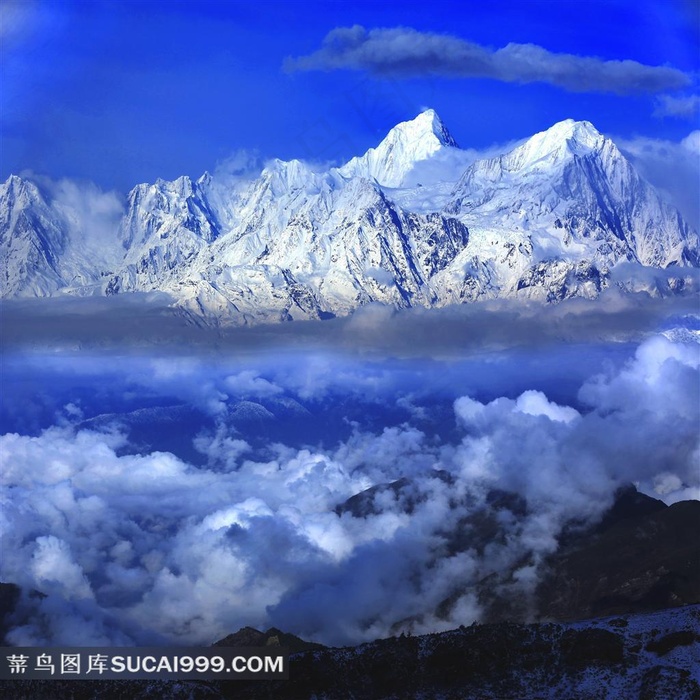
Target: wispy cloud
672, 167
684, 107
17, 19
406, 52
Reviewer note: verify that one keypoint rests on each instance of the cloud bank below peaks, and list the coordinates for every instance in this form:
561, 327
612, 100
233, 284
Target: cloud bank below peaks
344, 543
402, 52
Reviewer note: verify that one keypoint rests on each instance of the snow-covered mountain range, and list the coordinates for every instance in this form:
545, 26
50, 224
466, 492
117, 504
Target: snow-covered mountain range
412, 222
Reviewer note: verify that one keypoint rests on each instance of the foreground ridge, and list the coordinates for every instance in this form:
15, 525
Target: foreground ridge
647, 656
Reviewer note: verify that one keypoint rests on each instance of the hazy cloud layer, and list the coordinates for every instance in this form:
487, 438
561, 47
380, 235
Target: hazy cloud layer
141, 546
406, 52
146, 320
684, 107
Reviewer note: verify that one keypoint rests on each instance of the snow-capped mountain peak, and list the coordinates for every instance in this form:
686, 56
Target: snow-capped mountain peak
427, 126
542, 155
406, 144
287, 175
576, 133
555, 146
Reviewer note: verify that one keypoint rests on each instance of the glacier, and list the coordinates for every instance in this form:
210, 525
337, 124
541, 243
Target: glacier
413, 222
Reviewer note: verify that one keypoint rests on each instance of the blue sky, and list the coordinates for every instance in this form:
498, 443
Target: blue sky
125, 92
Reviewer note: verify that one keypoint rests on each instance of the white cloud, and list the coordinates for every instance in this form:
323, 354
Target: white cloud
535, 403
692, 142
53, 565
91, 214
685, 107
250, 383
137, 548
19, 19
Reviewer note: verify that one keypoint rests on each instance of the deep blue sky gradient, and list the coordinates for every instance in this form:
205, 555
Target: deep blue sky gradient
125, 92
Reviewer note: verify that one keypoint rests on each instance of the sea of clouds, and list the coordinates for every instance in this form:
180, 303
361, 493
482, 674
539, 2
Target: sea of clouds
133, 544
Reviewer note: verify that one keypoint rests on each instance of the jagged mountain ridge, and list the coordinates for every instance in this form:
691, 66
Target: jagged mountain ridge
547, 220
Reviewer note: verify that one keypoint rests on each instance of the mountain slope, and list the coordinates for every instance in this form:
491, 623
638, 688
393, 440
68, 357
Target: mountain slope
572, 179
33, 240
553, 216
165, 226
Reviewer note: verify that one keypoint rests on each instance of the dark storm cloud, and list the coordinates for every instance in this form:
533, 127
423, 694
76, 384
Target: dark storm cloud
404, 52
